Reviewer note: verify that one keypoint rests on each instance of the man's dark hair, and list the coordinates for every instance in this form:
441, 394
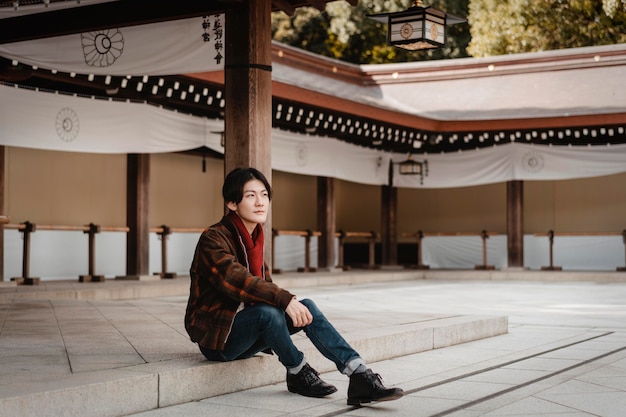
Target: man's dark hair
232, 190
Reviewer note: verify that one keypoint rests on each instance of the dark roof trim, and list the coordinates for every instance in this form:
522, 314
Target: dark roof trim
86, 18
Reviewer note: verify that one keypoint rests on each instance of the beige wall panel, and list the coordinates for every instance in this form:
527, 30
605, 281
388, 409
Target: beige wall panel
450, 210
584, 205
358, 207
593, 204
177, 198
181, 195
294, 201
538, 206
65, 188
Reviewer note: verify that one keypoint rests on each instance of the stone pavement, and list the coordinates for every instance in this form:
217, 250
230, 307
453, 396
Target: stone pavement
81, 351
564, 356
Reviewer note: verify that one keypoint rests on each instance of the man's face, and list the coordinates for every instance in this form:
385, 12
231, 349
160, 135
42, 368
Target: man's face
254, 206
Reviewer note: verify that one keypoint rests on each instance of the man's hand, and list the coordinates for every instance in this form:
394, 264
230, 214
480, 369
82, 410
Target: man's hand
298, 313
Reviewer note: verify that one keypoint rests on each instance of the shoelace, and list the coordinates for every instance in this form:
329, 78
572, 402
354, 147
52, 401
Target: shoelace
309, 377
375, 378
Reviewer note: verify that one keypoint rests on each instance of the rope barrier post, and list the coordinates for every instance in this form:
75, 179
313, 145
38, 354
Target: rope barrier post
91, 275
164, 233
274, 269
484, 236
25, 279
307, 253
623, 268
551, 267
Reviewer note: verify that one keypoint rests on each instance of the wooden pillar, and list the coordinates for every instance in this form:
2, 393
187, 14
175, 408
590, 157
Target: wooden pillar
515, 223
389, 233
326, 222
137, 210
2, 179
248, 92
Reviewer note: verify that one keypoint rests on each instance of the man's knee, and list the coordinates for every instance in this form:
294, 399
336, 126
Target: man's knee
310, 304
271, 316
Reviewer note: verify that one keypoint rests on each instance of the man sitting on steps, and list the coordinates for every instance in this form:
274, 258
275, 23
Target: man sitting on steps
235, 310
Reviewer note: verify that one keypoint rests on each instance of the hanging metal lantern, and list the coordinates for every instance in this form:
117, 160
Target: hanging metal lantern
418, 27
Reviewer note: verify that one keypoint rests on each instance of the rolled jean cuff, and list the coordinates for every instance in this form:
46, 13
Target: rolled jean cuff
298, 368
353, 365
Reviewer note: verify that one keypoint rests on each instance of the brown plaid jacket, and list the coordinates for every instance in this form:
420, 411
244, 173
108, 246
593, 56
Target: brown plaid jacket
220, 282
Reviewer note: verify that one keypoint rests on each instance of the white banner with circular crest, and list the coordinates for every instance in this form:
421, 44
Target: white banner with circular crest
44, 120
174, 47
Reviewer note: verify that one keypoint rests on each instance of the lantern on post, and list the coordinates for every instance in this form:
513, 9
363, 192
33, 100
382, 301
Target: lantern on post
418, 27
409, 167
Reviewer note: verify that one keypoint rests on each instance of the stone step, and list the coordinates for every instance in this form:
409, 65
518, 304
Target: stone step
115, 289
132, 389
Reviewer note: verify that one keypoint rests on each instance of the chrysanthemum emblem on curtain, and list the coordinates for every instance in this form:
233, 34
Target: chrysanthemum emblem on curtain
67, 124
102, 48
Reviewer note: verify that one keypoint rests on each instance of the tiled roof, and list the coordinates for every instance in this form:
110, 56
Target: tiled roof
567, 97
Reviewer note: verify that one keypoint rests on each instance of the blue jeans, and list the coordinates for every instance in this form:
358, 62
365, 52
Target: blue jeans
260, 327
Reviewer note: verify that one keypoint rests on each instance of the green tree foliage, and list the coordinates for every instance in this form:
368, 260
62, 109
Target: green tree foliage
496, 27
346, 33
515, 26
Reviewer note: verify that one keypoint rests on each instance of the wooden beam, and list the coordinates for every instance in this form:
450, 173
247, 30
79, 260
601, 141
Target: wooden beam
326, 222
137, 211
389, 227
515, 223
248, 93
248, 87
318, 4
285, 6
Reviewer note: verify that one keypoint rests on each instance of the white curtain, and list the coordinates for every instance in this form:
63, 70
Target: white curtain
33, 119
63, 254
174, 47
572, 253
517, 161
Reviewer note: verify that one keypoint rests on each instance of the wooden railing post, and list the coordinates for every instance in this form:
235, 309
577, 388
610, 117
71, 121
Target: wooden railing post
371, 240
26, 279
307, 253
27, 228
274, 269
91, 275
420, 236
484, 236
341, 235
551, 267
164, 233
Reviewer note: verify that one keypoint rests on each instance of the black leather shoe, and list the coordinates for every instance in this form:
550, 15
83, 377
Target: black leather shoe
308, 383
367, 386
